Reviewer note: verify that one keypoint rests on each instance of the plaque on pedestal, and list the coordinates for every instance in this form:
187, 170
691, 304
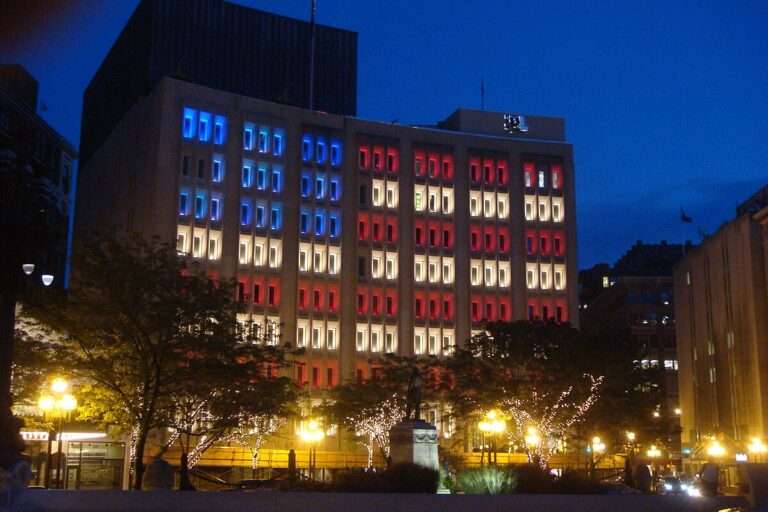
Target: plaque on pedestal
414, 442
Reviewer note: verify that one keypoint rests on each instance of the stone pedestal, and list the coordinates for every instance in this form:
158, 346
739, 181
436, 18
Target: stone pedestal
414, 442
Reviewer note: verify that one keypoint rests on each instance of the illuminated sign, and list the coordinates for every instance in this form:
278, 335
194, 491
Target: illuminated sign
515, 123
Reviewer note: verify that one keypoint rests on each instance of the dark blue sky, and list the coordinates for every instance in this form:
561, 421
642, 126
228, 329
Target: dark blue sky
666, 103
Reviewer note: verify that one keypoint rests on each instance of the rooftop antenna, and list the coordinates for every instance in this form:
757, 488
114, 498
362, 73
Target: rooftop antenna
312, 56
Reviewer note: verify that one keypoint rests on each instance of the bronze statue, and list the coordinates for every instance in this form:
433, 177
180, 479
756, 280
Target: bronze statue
413, 398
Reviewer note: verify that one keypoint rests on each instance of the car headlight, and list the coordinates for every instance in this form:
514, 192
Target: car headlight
694, 492
667, 487
684, 487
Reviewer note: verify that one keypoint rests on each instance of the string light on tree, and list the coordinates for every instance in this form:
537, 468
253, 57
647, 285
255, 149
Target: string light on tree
373, 425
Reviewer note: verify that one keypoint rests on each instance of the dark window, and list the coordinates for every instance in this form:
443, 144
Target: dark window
390, 233
361, 266
390, 306
363, 195
329, 376
241, 292
557, 246
544, 312
256, 293
271, 298
316, 299
185, 165
201, 168
559, 314
315, 376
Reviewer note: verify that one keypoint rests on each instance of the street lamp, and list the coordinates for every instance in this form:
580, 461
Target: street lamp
491, 424
56, 403
715, 449
653, 452
597, 446
757, 448
312, 435
631, 436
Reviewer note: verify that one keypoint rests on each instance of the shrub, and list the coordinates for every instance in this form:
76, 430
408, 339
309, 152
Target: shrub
573, 482
360, 481
408, 478
532, 479
487, 480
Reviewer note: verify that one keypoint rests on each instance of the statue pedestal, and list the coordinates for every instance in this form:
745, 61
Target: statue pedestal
414, 442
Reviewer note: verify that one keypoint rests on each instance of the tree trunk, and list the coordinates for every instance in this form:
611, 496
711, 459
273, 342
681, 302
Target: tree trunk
11, 444
184, 483
141, 441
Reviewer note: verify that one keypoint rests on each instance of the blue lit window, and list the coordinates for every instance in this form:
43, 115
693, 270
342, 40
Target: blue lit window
277, 142
200, 204
246, 178
276, 218
322, 151
204, 129
335, 152
319, 222
219, 130
189, 123
334, 223
320, 186
304, 221
217, 169
306, 147
261, 177
184, 202
263, 139
261, 215
335, 188
216, 207
277, 179
306, 184
245, 212
248, 130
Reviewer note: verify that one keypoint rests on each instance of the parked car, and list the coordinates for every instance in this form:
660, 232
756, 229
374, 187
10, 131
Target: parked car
671, 485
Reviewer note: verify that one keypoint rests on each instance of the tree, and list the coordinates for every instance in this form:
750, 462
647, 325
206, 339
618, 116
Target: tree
252, 432
138, 323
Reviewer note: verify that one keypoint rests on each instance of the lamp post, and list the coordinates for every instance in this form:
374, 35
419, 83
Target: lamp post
491, 424
757, 449
312, 435
532, 441
56, 403
597, 446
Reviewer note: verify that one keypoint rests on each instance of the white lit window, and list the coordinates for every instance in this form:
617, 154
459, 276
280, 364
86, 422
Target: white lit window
542, 182
332, 335
530, 208
198, 243
419, 264
305, 250
447, 270
543, 209
214, 245
361, 340
476, 272
259, 250
391, 266
557, 209
390, 339
489, 205
545, 271
318, 261
377, 264
447, 205
318, 331
475, 200
392, 194
376, 337
559, 277
272, 330
433, 269
182, 239
334, 260
531, 276
433, 199
433, 343
244, 251
490, 273
419, 198
419, 333
448, 342
302, 332
275, 253
504, 274
377, 193
502, 205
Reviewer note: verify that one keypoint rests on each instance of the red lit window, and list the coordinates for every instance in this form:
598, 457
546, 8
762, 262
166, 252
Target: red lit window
418, 304
558, 243
418, 164
329, 380
533, 309
490, 309
434, 234
547, 312
376, 300
420, 232
529, 174
475, 238
393, 160
333, 298
242, 293
544, 243
303, 299
273, 292
392, 230
378, 158
363, 226
362, 300
300, 370
502, 172
505, 309
365, 157
504, 239
474, 170
530, 241
258, 291
317, 298
448, 236
434, 306
391, 298
477, 314
432, 168
490, 239
448, 309
561, 310
488, 171
447, 167
557, 176
377, 221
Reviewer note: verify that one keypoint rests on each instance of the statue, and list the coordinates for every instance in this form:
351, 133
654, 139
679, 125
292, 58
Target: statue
413, 397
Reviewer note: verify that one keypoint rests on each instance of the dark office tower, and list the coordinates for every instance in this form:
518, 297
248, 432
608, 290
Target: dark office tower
223, 46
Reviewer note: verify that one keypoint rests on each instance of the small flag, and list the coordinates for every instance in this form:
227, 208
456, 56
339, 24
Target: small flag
685, 218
